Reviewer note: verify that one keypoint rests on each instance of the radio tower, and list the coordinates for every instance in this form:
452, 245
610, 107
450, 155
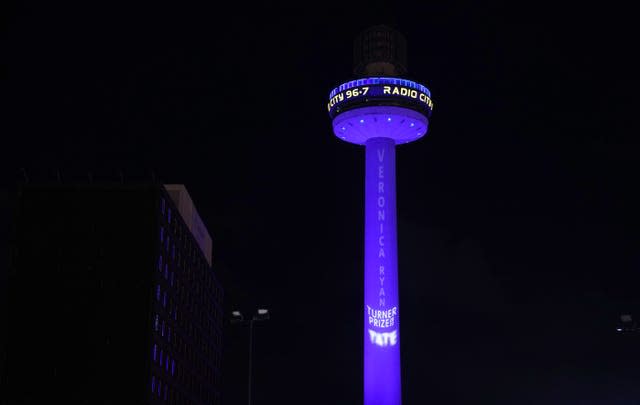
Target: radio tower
380, 109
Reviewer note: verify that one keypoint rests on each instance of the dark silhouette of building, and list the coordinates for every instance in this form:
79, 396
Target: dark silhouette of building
112, 298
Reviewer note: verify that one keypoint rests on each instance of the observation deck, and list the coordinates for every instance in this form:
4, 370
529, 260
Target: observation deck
388, 107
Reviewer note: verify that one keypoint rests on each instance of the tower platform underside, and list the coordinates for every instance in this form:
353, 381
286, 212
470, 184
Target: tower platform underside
401, 124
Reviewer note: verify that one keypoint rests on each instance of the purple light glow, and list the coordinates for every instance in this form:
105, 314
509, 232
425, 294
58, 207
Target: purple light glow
401, 124
380, 128
380, 113
381, 315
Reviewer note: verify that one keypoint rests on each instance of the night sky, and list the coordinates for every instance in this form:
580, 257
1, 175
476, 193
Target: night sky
518, 219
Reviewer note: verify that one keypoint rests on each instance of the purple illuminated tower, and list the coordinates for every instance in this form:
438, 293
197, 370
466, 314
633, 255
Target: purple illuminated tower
380, 110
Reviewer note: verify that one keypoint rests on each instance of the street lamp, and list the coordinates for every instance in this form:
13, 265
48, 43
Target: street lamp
237, 317
627, 324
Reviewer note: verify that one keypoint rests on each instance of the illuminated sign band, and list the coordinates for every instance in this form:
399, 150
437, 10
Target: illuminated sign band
379, 90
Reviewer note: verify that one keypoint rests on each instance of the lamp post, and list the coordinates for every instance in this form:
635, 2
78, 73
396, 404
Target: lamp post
627, 324
237, 317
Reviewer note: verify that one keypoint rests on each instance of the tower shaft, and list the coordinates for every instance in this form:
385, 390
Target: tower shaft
381, 307
380, 109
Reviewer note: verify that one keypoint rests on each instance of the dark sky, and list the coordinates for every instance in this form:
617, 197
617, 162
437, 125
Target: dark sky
518, 213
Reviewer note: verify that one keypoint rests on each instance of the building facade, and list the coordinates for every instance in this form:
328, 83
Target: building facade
112, 298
